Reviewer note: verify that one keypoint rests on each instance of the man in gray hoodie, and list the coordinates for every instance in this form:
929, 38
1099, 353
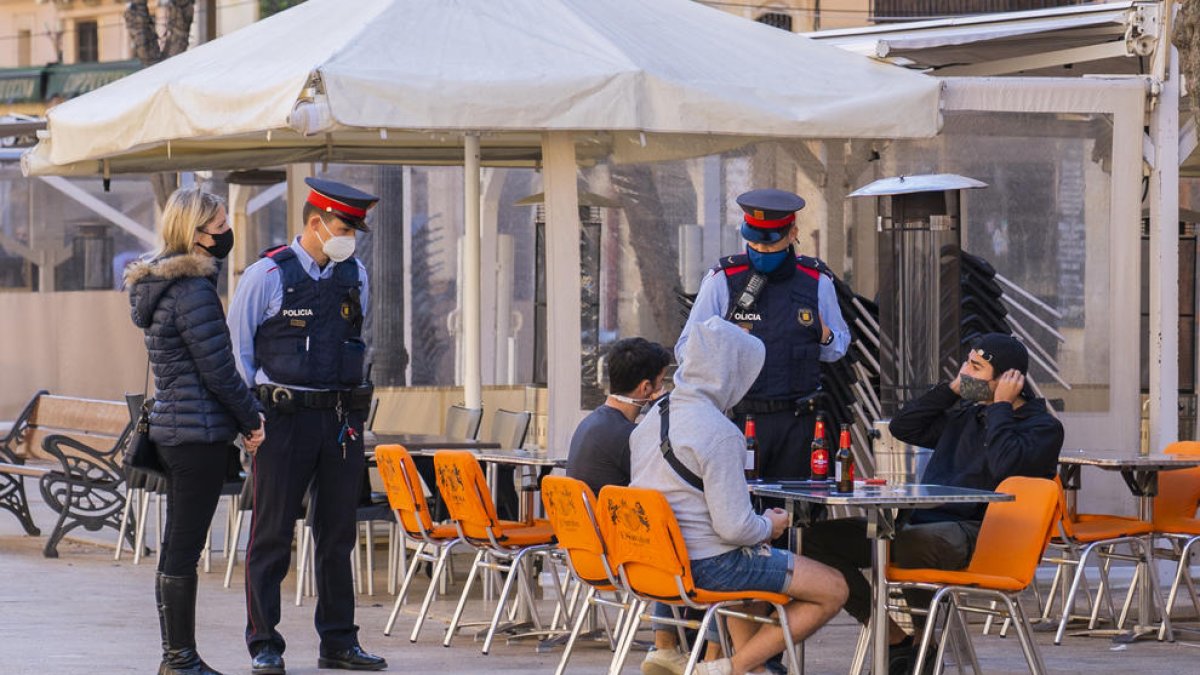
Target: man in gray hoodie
728, 543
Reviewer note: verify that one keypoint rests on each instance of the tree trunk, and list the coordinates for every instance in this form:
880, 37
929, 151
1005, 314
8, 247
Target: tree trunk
143, 33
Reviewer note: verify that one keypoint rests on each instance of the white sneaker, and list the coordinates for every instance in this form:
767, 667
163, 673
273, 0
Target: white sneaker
718, 667
664, 662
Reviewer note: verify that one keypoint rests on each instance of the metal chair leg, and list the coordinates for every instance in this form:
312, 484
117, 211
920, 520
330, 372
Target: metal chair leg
439, 569
462, 600
231, 559
387, 628
581, 616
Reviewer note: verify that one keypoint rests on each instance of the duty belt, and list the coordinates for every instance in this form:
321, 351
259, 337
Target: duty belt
287, 400
805, 405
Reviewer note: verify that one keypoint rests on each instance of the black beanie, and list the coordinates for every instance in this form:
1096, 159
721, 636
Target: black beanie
1003, 352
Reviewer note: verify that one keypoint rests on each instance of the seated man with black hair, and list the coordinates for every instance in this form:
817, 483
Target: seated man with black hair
984, 426
599, 453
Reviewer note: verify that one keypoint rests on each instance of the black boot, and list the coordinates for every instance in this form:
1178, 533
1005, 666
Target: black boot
177, 617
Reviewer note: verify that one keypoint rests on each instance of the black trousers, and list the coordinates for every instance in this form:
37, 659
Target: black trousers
302, 450
784, 443
195, 474
843, 545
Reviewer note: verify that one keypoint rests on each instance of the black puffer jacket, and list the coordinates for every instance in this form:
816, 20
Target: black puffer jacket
200, 396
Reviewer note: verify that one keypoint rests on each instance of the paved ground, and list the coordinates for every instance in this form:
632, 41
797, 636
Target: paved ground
86, 613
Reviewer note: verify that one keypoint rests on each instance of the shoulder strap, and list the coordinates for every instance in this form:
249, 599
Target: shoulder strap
668, 453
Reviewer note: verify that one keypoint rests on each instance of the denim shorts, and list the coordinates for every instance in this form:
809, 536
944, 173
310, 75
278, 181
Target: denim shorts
750, 568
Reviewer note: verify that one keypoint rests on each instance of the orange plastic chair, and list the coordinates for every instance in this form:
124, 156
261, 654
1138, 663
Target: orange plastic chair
570, 507
1011, 541
1175, 520
403, 485
648, 550
500, 545
1079, 538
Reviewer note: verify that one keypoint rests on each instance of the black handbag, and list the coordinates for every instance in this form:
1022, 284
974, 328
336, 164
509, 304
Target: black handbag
141, 454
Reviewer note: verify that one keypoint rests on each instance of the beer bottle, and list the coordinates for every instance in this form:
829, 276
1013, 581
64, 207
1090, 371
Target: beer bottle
751, 464
819, 459
844, 462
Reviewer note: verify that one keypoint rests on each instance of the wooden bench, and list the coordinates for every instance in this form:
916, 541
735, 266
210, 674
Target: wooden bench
85, 437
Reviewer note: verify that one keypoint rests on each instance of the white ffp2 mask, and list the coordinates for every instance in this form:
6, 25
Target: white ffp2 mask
337, 248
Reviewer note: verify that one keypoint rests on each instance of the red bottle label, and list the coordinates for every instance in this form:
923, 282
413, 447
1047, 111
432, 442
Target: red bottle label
820, 464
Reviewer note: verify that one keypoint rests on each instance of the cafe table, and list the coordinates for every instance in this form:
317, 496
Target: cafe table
881, 503
1140, 473
417, 442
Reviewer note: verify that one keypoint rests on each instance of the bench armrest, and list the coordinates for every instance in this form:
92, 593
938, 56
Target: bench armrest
84, 463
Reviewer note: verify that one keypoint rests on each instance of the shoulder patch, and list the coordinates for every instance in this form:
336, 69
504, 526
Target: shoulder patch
813, 266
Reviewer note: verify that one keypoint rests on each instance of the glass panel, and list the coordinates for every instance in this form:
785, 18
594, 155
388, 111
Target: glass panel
1043, 224
42, 226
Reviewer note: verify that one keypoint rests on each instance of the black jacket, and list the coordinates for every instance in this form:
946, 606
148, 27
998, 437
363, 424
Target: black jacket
200, 398
977, 446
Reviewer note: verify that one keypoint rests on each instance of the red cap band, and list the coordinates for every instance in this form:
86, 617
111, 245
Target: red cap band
322, 202
770, 224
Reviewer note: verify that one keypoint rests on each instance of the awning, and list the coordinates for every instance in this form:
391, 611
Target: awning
1033, 42
21, 85
71, 80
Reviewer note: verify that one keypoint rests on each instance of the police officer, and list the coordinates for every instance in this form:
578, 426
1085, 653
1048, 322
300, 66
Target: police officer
787, 301
296, 324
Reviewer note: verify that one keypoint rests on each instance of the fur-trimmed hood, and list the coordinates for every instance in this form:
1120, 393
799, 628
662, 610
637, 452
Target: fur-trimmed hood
147, 280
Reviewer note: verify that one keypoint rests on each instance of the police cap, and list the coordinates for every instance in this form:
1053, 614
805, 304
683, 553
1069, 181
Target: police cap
347, 203
770, 214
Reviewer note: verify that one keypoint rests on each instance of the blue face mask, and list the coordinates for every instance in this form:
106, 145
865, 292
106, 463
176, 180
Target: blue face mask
767, 262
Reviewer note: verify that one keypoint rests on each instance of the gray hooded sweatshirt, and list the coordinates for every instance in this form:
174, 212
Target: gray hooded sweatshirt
718, 364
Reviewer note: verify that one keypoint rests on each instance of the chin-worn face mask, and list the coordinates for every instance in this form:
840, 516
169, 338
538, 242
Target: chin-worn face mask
337, 248
974, 389
644, 404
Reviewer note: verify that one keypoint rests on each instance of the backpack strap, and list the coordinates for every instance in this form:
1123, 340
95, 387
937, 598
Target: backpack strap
668, 453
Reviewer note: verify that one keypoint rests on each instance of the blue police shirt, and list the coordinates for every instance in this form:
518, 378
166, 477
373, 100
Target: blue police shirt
713, 300
260, 295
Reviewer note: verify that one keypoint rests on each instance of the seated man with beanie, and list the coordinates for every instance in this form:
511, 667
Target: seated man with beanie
984, 426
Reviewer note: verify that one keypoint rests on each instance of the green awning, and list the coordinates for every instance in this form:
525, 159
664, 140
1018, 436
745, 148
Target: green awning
34, 85
71, 80
21, 85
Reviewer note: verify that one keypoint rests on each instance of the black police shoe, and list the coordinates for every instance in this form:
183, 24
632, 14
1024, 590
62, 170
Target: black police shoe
351, 658
268, 661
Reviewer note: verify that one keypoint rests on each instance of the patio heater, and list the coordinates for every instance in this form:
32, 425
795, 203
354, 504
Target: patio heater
919, 234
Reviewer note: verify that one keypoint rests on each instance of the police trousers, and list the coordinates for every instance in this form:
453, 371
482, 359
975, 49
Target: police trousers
302, 455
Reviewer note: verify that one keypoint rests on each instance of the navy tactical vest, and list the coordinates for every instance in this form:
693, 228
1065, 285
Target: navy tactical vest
315, 339
785, 319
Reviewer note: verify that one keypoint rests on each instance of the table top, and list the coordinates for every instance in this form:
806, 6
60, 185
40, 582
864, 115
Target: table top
906, 495
1135, 462
413, 442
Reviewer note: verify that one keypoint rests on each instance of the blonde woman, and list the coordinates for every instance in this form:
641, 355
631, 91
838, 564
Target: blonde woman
200, 406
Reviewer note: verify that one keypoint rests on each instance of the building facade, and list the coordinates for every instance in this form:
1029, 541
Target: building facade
51, 50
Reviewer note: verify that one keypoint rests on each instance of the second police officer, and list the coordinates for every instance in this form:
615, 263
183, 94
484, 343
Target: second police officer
296, 324
789, 302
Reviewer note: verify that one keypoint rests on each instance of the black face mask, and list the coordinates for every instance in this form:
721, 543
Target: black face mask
222, 244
